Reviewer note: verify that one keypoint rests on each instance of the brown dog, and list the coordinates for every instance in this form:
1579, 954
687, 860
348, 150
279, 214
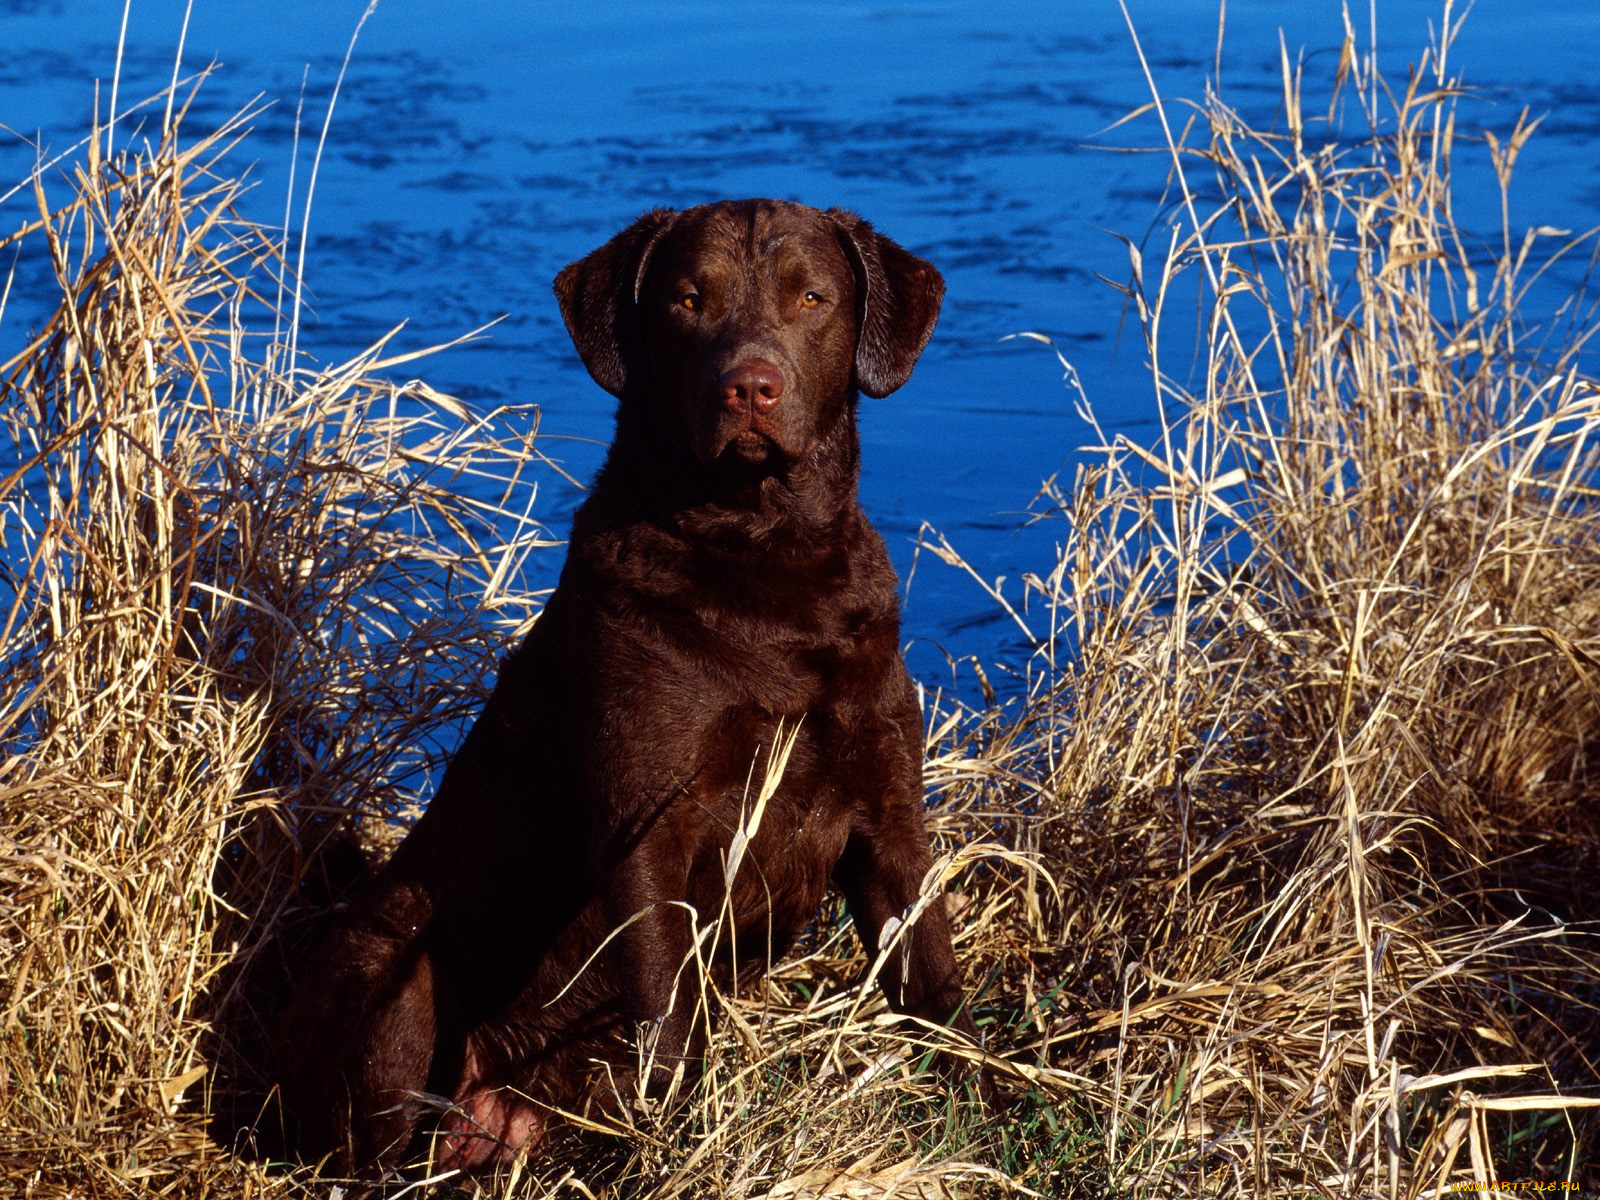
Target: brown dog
721, 583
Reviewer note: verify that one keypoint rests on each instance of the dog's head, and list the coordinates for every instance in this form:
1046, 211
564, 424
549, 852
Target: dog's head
742, 330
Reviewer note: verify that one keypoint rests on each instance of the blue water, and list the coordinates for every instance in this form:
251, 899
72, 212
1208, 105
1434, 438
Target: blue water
478, 146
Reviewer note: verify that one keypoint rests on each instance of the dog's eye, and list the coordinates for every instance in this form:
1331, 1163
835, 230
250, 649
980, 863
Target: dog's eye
811, 300
689, 302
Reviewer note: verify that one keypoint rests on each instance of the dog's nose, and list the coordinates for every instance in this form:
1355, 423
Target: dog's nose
752, 385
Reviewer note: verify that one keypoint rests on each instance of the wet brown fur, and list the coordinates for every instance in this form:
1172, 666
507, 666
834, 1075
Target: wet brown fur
721, 580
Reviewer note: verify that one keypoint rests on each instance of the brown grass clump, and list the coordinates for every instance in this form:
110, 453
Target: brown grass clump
250, 603
1322, 733
1282, 882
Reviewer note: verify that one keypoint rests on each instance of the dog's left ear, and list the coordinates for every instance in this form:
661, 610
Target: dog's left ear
598, 294
897, 303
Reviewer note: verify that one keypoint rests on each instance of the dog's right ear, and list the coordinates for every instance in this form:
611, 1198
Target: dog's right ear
598, 294
898, 302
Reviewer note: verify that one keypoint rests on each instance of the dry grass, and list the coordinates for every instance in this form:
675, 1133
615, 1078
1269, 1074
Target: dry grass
1280, 883
248, 602
1324, 733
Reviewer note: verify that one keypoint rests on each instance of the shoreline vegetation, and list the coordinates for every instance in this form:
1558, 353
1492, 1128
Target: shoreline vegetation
1282, 880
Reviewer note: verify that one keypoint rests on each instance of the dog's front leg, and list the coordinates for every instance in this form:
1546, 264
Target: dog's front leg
653, 957
881, 875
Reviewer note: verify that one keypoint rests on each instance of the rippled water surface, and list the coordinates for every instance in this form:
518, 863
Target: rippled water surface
480, 145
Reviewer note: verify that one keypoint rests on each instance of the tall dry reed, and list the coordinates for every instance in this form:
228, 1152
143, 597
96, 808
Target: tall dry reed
1322, 729
247, 603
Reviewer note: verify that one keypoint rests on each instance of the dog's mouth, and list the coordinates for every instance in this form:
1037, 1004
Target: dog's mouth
735, 440
750, 445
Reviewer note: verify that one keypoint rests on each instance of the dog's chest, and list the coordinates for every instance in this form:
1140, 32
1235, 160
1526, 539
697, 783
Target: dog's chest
780, 642
777, 817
